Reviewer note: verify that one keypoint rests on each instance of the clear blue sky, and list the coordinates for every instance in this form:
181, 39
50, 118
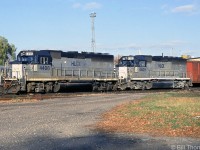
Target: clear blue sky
125, 27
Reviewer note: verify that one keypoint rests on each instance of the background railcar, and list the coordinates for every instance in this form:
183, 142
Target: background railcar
1, 73
146, 72
4, 71
193, 70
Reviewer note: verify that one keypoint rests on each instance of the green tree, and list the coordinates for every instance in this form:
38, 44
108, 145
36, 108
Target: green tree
5, 49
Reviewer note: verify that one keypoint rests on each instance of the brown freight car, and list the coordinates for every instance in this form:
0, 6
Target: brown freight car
193, 70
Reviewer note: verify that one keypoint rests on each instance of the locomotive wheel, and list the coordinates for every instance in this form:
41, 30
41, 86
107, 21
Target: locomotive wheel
143, 86
109, 87
149, 85
95, 87
1, 90
139, 85
48, 87
29, 87
56, 87
115, 86
186, 86
102, 87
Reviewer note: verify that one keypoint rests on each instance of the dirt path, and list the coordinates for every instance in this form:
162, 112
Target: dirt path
66, 124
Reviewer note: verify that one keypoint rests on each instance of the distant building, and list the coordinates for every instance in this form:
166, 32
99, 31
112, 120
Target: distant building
186, 56
194, 59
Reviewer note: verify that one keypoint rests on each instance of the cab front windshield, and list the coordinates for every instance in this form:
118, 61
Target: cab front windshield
26, 59
127, 61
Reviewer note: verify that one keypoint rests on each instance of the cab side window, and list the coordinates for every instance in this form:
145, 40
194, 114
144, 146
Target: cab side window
43, 60
142, 63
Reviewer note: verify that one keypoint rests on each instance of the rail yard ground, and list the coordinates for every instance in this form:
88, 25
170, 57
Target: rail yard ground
169, 114
70, 123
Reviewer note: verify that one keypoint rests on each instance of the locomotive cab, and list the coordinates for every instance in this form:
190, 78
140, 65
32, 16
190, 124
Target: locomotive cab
31, 63
132, 66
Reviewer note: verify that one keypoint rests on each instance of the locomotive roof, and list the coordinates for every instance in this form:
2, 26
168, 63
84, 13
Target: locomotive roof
157, 58
57, 54
66, 54
167, 58
75, 54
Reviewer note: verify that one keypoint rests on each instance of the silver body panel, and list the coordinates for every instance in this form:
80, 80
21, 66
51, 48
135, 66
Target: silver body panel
153, 70
66, 69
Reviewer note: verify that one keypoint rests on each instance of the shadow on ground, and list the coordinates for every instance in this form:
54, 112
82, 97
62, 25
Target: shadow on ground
91, 142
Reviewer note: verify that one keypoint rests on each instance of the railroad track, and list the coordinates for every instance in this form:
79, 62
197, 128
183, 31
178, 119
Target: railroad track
34, 96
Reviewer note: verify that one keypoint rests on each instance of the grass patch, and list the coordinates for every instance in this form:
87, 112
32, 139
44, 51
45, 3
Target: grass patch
170, 114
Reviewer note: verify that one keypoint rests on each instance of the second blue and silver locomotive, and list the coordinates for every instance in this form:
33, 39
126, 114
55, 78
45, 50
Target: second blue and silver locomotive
146, 72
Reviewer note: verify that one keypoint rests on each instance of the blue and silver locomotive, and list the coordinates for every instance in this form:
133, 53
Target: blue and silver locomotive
47, 70
146, 72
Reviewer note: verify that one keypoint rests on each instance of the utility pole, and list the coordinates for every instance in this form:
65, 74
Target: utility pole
93, 44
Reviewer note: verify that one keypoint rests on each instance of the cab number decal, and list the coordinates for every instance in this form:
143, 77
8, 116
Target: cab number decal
161, 65
44, 67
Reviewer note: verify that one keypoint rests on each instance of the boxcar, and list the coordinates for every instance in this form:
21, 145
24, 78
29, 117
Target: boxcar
193, 70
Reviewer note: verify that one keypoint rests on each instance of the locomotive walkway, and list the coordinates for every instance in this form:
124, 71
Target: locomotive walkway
66, 123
